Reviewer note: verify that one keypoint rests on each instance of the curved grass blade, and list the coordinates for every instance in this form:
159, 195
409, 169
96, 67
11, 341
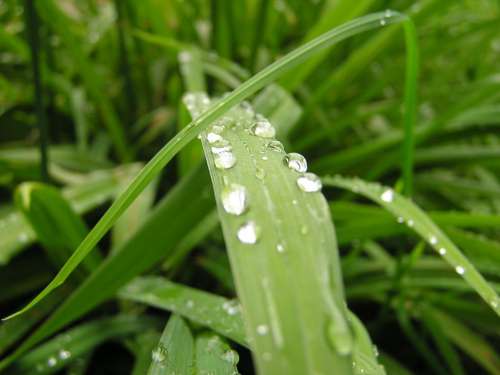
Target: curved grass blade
214, 356
156, 164
416, 219
175, 351
68, 346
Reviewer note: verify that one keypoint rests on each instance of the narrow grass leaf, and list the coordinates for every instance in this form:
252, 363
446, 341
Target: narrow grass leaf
417, 220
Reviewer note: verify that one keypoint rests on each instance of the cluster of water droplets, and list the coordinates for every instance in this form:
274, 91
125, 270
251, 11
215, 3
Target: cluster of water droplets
52, 361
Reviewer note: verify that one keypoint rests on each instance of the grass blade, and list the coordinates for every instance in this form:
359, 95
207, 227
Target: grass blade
416, 219
290, 247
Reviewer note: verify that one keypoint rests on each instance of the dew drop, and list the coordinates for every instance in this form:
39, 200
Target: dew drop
248, 233
433, 240
410, 223
230, 356
224, 160
159, 354
265, 158
296, 162
309, 183
263, 128
64, 354
189, 304
442, 251
262, 329
383, 22
234, 199
23, 237
280, 248
231, 307
460, 270
214, 138
401, 220
387, 196
276, 146
51, 362
221, 148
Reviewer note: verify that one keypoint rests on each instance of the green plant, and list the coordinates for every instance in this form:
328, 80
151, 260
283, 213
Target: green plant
311, 297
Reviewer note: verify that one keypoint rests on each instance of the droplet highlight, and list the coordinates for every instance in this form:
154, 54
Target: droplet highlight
296, 162
309, 183
248, 233
234, 199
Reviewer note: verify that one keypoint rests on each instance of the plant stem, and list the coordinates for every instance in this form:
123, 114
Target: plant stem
34, 40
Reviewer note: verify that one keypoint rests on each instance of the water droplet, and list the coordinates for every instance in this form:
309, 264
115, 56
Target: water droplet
309, 183
400, 220
230, 356
262, 329
375, 351
442, 251
410, 223
159, 354
51, 361
383, 22
220, 149
260, 173
263, 128
387, 196
189, 304
234, 199
248, 233
265, 158
276, 146
460, 270
295, 202
22, 237
224, 160
64, 354
295, 162
231, 307
433, 240
280, 248
214, 137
